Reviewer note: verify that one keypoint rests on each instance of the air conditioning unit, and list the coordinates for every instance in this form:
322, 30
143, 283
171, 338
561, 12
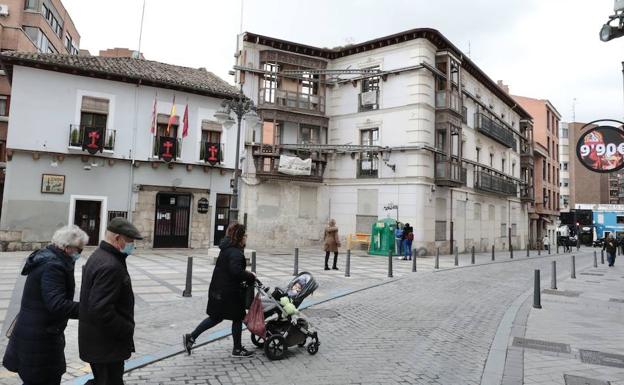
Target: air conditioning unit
368, 98
4, 10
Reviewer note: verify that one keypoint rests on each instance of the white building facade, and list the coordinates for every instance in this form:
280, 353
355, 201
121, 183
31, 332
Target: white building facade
142, 167
412, 125
564, 167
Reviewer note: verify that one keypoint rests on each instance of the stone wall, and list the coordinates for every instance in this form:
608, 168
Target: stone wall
11, 240
200, 224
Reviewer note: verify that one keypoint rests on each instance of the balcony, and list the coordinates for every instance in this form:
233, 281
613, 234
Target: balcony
527, 194
267, 158
291, 100
211, 156
368, 167
156, 147
499, 133
78, 138
452, 103
486, 181
368, 100
449, 174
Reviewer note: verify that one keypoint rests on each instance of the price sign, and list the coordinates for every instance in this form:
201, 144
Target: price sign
601, 149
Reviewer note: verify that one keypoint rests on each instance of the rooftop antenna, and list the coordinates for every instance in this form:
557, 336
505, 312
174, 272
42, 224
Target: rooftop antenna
141, 31
574, 110
241, 16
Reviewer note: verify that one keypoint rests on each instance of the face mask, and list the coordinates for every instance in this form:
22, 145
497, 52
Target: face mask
75, 256
128, 249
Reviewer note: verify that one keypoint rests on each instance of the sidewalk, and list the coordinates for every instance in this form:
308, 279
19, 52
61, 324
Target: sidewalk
578, 335
162, 314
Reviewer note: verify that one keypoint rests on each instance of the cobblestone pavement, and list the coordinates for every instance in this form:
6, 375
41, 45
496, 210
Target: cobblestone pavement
162, 314
586, 317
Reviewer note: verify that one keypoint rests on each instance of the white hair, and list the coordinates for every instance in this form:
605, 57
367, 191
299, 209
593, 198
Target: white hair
68, 236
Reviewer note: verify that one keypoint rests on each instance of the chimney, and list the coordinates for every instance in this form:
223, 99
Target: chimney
503, 86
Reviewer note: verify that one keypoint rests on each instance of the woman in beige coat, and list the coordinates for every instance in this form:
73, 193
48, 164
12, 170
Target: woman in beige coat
331, 243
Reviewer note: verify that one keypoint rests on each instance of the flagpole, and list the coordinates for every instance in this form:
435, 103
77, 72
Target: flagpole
141, 30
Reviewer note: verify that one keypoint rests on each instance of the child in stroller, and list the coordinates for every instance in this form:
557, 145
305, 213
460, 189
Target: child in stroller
284, 326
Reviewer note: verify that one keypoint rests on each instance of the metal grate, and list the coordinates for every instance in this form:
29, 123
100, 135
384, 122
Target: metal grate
595, 274
600, 358
620, 300
576, 380
565, 293
321, 313
541, 345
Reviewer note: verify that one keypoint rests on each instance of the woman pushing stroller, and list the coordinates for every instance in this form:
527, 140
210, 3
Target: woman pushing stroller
225, 300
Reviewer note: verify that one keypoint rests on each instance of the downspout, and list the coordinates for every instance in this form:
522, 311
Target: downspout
132, 149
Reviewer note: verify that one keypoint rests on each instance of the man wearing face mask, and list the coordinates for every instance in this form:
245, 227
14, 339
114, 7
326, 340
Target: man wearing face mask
106, 325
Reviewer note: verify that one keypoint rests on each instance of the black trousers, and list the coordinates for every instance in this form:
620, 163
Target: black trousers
55, 381
109, 373
327, 258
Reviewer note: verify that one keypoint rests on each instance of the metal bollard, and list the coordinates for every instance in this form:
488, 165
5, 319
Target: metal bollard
456, 256
602, 257
189, 278
413, 262
510, 251
553, 278
548, 249
390, 264
557, 247
528, 255
539, 250
472, 256
296, 269
537, 301
493, 256
437, 259
573, 268
253, 261
595, 260
348, 265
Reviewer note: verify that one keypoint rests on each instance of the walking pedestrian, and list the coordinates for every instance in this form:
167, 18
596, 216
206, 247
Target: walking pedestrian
37, 343
566, 244
398, 238
408, 237
225, 294
546, 242
331, 243
106, 325
621, 245
611, 248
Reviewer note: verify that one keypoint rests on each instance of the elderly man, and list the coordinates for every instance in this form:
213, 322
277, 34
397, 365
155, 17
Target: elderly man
106, 325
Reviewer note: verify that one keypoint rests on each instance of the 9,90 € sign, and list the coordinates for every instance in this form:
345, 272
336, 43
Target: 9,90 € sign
601, 149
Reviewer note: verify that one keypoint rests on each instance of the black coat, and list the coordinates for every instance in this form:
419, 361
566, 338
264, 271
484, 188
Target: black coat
610, 245
225, 296
106, 326
36, 347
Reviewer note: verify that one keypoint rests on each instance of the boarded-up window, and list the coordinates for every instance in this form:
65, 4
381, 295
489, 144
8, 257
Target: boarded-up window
514, 230
492, 213
441, 209
95, 105
307, 202
440, 230
503, 229
364, 223
367, 202
477, 211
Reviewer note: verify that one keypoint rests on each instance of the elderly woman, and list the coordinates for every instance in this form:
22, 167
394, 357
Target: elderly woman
331, 243
36, 346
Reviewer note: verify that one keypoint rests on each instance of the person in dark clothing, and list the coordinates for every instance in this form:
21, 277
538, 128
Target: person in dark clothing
611, 248
106, 325
408, 237
37, 343
331, 243
225, 294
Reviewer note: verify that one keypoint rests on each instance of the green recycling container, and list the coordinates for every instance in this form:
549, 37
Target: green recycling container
382, 237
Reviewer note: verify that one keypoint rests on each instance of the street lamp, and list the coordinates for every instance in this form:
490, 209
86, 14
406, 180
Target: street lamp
243, 108
609, 32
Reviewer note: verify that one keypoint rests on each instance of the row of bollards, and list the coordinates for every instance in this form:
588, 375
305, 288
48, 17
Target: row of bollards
537, 301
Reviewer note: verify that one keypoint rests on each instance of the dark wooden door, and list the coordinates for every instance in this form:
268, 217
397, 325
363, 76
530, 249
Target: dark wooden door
87, 217
222, 217
172, 220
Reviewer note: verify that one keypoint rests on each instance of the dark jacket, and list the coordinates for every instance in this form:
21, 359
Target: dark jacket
106, 326
36, 348
406, 231
611, 246
225, 296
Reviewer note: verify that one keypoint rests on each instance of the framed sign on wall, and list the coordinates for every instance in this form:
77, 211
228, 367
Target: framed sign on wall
52, 184
600, 148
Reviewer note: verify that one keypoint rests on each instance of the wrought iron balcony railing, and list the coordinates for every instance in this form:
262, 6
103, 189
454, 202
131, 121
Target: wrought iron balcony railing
79, 137
489, 182
498, 132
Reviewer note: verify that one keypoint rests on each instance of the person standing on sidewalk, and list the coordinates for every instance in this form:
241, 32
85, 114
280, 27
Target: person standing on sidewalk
398, 239
408, 237
36, 349
225, 294
106, 325
611, 248
331, 243
546, 242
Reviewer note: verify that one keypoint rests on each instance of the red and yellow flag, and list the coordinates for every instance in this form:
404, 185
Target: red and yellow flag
185, 123
172, 116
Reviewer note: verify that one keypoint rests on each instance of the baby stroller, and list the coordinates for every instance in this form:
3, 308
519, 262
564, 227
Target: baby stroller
284, 330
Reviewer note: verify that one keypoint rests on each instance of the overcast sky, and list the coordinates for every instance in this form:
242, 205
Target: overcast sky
546, 49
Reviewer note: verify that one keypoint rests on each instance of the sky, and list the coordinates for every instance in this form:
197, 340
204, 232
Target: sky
544, 49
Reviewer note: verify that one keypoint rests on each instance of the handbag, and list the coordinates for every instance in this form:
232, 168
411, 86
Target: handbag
255, 318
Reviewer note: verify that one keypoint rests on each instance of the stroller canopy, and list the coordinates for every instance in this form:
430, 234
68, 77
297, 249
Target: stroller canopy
301, 286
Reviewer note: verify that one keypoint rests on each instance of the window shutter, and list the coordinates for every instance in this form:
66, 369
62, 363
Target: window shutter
164, 119
94, 105
209, 125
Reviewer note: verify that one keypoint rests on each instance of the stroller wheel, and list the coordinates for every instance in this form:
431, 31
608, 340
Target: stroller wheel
258, 341
313, 346
275, 347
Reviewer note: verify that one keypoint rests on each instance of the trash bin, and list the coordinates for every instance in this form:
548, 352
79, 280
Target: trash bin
382, 237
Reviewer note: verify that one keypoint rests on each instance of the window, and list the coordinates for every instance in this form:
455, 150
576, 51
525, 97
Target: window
503, 165
564, 166
620, 219
464, 114
503, 228
32, 5
491, 160
71, 48
478, 154
369, 96
368, 164
51, 16
39, 39
162, 122
269, 83
543, 169
4, 105
309, 84
513, 169
548, 120
477, 211
514, 230
440, 230
564, 133
548, 145
211, 133
565, 182
309, 134
549, 174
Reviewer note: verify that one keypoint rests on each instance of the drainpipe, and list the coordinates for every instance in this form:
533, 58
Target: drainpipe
132, 149
451, 248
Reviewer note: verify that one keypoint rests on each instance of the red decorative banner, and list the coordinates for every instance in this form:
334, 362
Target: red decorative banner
168, 148
213, 153
93, 139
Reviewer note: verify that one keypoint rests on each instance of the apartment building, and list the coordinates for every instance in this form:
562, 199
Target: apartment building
403, 126
544, 214
111, 144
